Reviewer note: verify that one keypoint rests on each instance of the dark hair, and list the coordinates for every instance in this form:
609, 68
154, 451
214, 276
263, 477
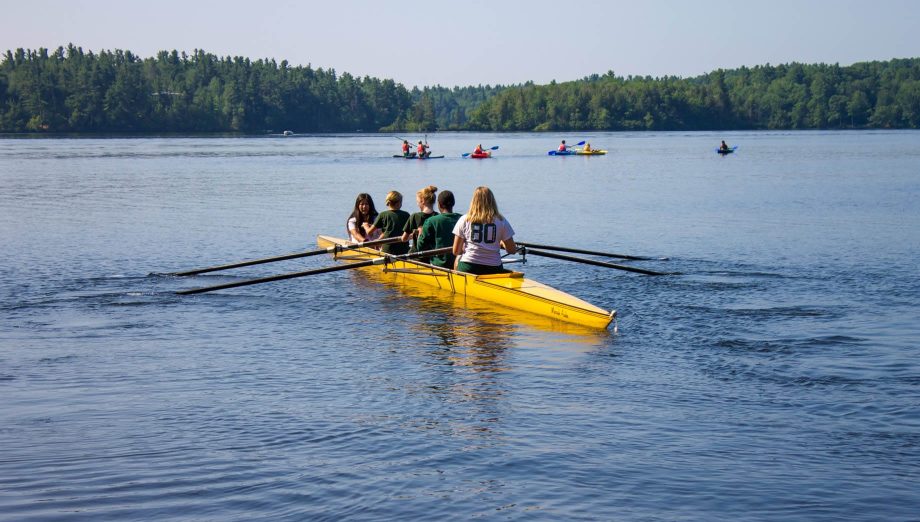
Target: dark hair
359, 217
446, 200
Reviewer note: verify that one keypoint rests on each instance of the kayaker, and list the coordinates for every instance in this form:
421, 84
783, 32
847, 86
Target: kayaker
480, 234
390, 223
724, 146
405, 148
478, 149
361, 219
587, 147
425, 200
562, 147
421, 150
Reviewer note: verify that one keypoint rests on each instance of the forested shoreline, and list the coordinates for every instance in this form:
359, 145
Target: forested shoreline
76, 91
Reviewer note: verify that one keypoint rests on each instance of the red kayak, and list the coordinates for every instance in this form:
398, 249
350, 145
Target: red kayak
481, 155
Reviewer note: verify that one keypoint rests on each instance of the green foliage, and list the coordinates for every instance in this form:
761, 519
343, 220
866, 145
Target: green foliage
793, 96
70, 90
76, 91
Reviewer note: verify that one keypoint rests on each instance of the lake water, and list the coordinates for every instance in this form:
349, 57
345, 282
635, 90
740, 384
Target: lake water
777, 378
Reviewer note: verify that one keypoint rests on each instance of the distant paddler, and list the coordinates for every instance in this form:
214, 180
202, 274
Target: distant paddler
422, 150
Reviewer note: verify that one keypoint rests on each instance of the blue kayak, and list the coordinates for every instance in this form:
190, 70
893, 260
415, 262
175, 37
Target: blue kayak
726, 151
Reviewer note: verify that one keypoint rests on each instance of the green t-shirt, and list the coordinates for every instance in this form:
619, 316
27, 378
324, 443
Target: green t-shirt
415, 221
438, 232
391, 223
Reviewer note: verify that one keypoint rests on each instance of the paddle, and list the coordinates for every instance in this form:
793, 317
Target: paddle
554, 152
465, 154
590, 252
295, 255
528, 250
386, 258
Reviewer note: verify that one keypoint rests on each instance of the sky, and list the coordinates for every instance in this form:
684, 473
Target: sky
475, 42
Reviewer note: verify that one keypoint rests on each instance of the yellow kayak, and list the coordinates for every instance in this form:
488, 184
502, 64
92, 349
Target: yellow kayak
594, 152
511, 290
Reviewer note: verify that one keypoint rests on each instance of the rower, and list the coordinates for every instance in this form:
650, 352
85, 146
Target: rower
480, 234
437, 232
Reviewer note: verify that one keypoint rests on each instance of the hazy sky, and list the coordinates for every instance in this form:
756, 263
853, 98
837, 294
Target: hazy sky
482, 42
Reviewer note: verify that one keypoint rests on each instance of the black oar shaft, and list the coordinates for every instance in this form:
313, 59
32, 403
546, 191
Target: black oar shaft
280, 277
531, 251
285, 257
588, 252
315, 271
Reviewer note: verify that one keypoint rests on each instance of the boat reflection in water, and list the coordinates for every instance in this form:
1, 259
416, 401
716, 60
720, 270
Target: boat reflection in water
473, 316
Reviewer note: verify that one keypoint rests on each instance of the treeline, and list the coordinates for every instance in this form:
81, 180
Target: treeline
69, 90
793, 96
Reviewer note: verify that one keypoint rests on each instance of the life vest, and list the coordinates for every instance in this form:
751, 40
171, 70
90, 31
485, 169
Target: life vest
478, 150
421, 149
562, 147
405, 148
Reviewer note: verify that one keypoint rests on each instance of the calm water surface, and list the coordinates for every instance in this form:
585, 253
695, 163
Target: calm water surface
776, 379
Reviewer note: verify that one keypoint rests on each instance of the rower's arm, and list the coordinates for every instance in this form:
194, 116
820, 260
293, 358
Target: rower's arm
459, 245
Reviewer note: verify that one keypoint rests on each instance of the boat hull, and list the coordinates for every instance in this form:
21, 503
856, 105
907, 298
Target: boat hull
511, 290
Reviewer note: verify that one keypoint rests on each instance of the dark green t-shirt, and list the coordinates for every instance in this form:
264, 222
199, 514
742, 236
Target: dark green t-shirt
438, 232
415, 221
391, 223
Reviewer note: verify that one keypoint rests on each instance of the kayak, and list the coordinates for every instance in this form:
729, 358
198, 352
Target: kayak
481, 155
727, 151
414, 156
562, 153
594, 152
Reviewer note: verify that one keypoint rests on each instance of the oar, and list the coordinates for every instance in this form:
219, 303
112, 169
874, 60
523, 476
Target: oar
465, 154
528, 250
295, 255
370, 262
590, 252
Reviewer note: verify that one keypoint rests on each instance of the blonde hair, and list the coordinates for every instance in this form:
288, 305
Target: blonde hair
394, 198
426, 195
483, 208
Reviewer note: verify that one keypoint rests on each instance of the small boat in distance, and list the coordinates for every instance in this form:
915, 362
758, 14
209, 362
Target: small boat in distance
726, 151
288, 133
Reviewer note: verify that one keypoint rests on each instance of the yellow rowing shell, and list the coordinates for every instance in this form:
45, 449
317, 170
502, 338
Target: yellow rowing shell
511, 290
